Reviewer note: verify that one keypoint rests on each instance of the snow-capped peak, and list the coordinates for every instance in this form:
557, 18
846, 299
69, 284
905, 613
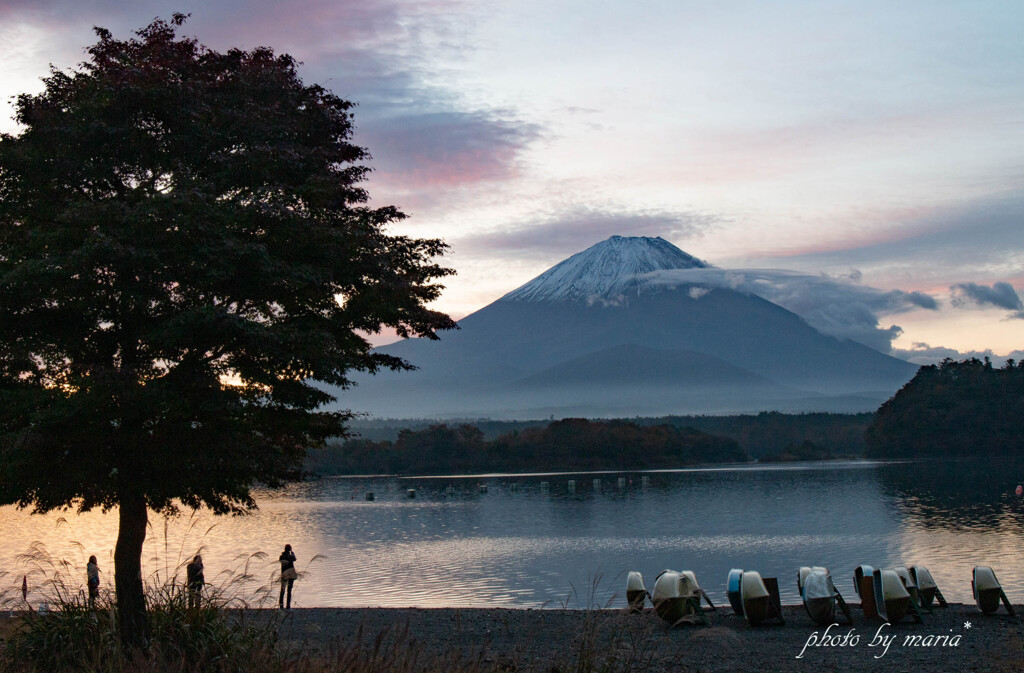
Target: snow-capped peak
607, 270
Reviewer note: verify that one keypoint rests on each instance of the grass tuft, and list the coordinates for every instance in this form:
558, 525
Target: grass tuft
62, 632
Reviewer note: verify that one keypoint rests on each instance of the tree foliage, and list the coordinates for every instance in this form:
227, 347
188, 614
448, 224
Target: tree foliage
953, 409
569, 444
184, 248
757, 434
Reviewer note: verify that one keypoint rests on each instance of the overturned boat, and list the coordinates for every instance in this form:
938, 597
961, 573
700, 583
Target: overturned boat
677, 597
732, 590
909, 584
820, 595
636, 592
864, 585
703, 594
988, 592
927, 590
760, 597
892, 599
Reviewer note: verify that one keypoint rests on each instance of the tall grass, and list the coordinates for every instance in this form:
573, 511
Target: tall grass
226, 634
64, 633
607, 644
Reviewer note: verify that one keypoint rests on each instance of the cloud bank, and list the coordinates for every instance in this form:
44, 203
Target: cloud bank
924, 354
978, 238
837, 306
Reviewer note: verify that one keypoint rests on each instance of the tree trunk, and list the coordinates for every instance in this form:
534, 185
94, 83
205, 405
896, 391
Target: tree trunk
131, 599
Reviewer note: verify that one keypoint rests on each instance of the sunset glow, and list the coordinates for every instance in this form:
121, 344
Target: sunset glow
881, 139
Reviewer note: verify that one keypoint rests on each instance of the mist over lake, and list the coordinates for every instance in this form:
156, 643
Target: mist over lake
521, 544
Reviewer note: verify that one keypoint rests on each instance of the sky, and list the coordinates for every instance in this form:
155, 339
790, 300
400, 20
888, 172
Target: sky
861, 163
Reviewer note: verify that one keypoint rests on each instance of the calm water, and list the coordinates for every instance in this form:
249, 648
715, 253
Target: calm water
523, 545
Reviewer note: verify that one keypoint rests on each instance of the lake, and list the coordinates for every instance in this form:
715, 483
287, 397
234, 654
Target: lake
531, 541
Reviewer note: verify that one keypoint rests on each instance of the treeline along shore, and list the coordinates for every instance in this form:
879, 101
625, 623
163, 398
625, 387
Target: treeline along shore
757, 434
569, 444
581, 444
949, 410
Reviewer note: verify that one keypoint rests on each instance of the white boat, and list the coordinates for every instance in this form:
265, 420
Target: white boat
820, 595
904, 575
909, 583
668, 603
988, 592
892, 599
759, 603
700, 593
636, 592
676, 598
927, 589
801, 575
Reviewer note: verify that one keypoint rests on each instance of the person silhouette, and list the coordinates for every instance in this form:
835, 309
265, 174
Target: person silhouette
92, 575
288, 576
196, 580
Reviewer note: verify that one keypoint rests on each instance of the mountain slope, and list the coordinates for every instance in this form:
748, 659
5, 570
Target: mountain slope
607, 339
626, 364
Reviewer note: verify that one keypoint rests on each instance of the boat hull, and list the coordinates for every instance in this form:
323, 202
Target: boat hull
988, 600
636, 592
636, 599
821, 610
756, 599
892, 600
818, 593
673, 609
733, 591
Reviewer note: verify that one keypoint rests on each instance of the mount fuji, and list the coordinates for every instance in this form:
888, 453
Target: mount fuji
591, 337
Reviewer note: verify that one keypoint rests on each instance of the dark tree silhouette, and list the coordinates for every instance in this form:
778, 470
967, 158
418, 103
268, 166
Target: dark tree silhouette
569, 444
184, 247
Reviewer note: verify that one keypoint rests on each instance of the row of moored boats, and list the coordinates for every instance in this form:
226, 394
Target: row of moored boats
889, 594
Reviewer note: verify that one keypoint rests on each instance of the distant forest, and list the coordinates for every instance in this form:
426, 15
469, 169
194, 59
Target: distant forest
953, 409
757, 434
570, 444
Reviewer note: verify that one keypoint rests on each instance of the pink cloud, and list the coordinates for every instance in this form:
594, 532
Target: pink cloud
421, 137
445, 149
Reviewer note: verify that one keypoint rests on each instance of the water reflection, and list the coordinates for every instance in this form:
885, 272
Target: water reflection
523, 544
962, 494
958, 514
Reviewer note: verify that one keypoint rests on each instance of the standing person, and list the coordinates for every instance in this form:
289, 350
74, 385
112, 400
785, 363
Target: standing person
288, 575
195, 579
92, 575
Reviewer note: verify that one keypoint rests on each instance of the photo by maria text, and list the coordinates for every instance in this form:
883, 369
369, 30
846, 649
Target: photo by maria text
881, 640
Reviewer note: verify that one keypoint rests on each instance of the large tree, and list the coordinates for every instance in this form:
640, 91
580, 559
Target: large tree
184, 250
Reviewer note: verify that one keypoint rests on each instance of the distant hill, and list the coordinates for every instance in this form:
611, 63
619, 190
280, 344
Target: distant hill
589, 337
953, 409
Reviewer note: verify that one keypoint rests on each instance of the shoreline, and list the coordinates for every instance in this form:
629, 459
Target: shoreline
696, 467
548, 640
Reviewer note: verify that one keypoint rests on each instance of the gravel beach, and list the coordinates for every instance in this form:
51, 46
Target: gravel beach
615, 640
